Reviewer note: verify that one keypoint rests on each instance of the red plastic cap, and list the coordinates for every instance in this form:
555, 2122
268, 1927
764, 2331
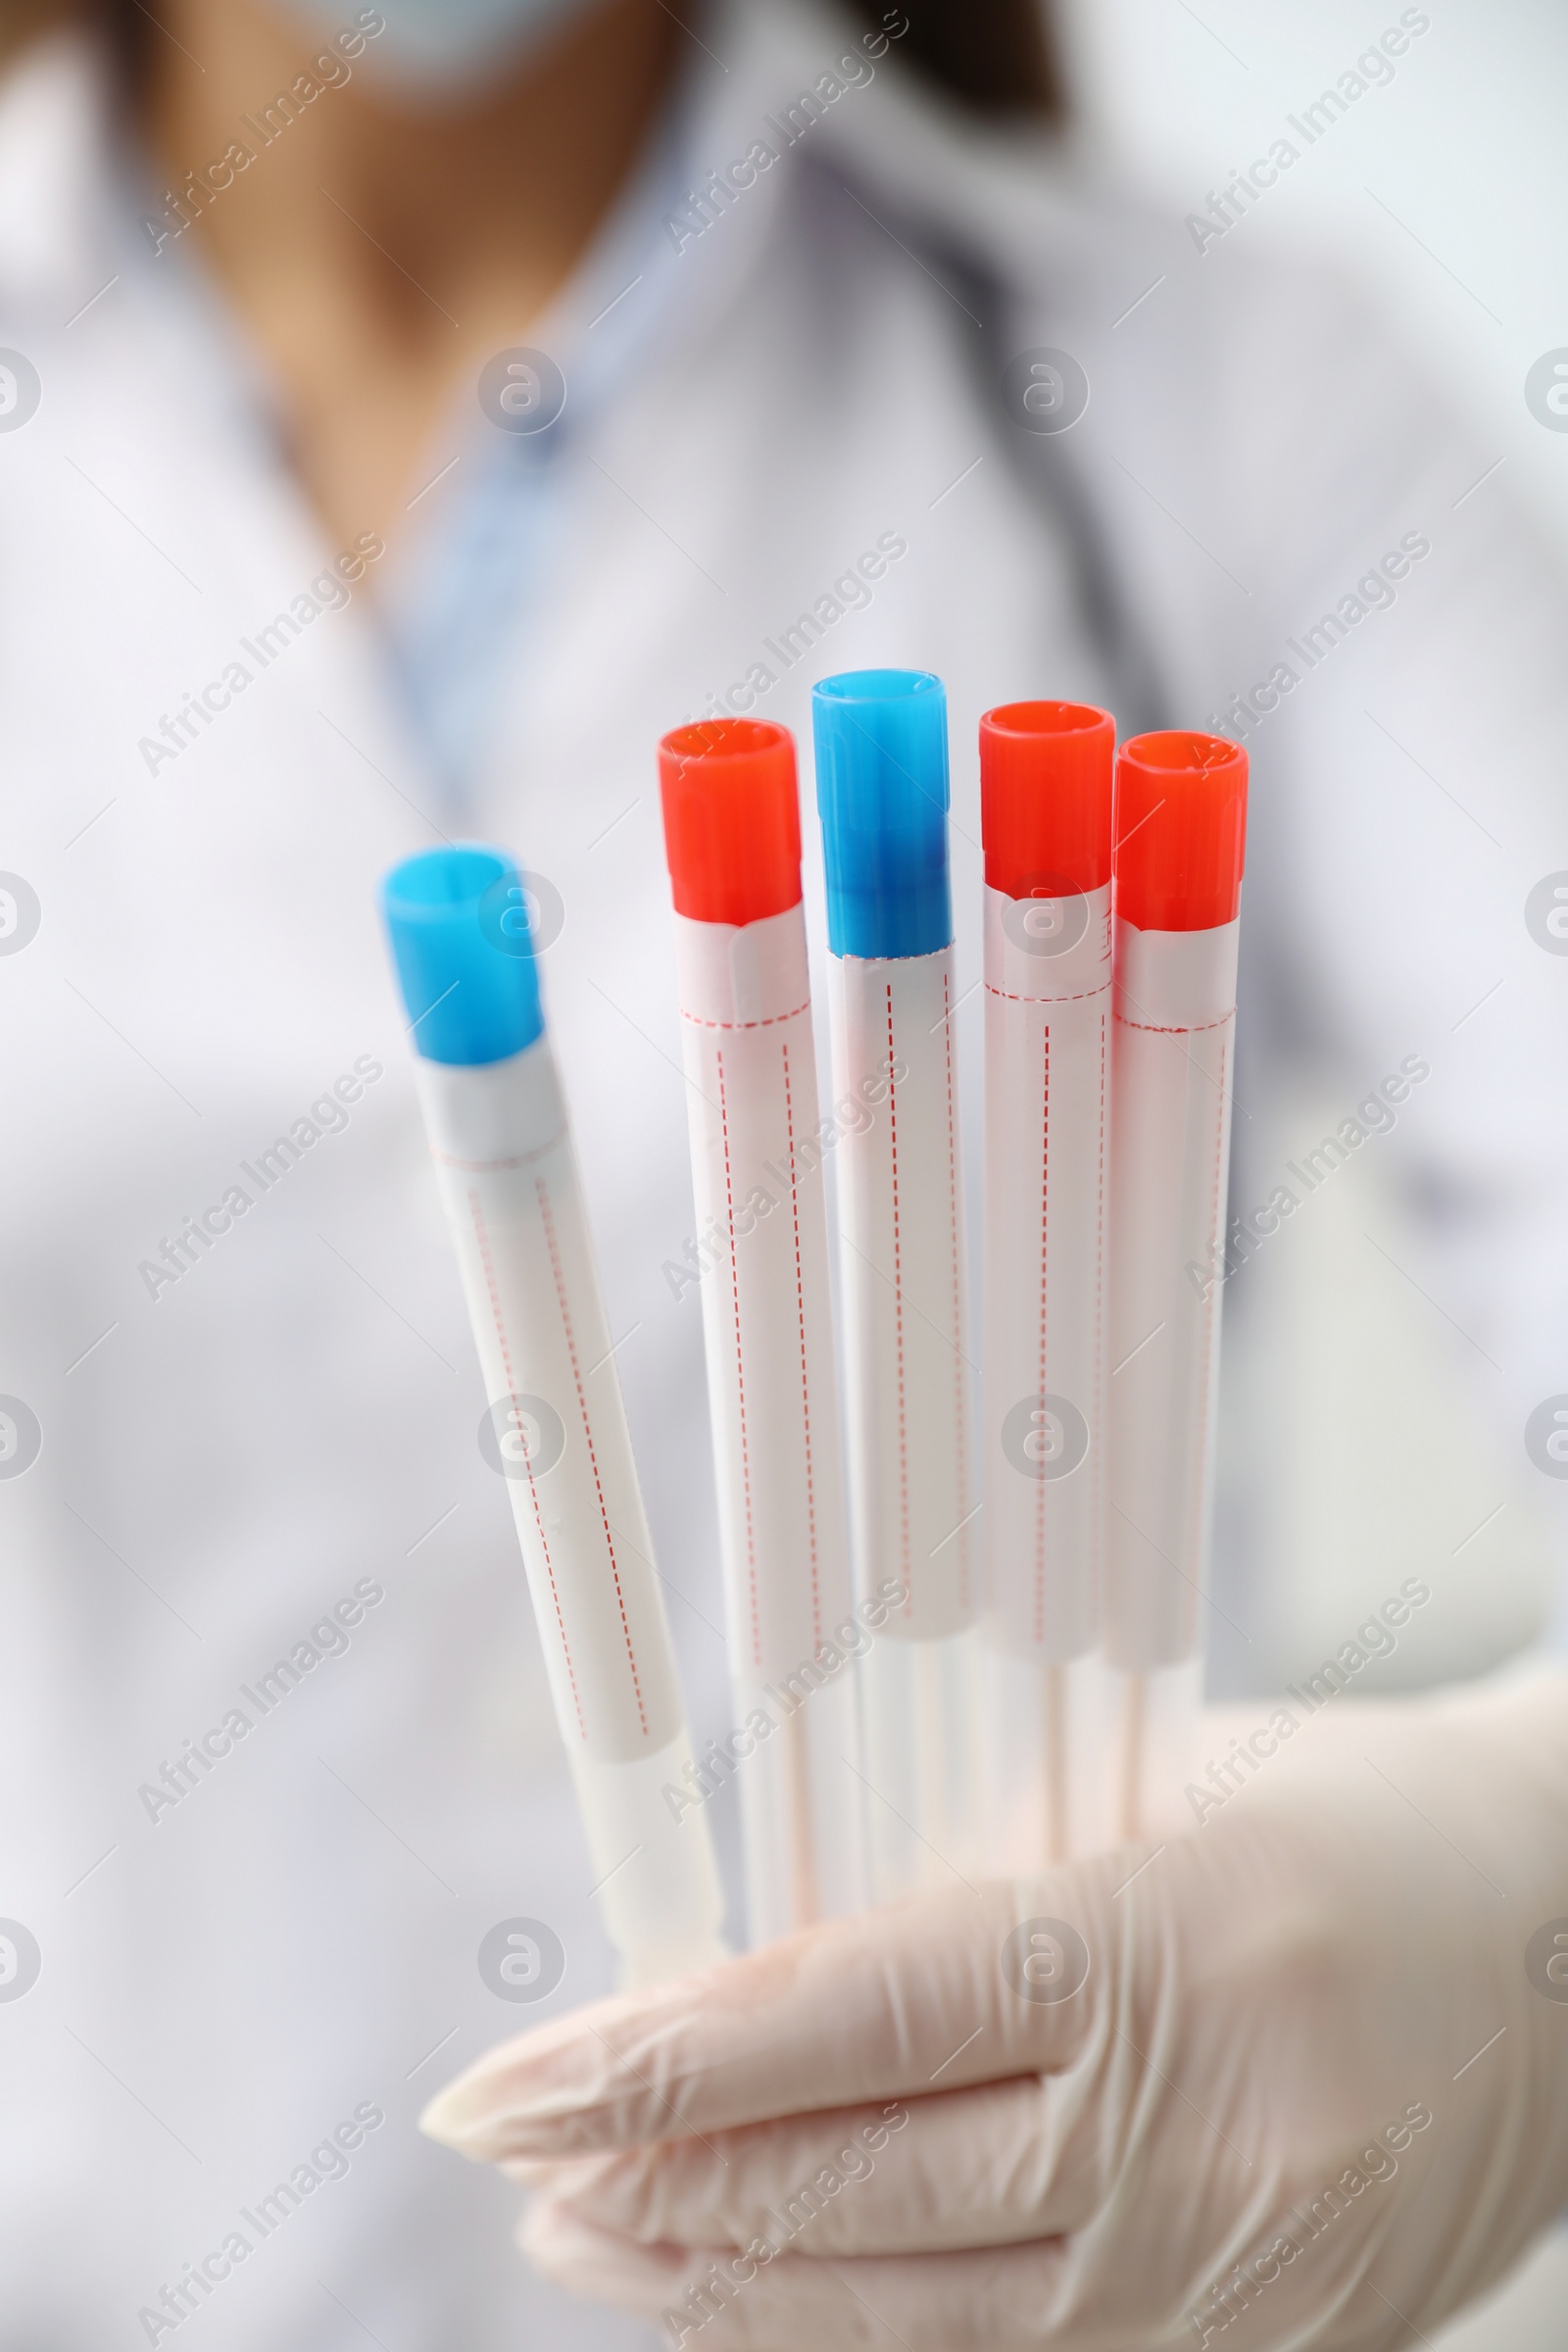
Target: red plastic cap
1181, 831
1044, 796
732, 820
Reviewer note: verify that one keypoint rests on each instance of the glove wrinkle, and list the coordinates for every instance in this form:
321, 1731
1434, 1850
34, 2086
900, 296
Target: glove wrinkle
1308, 2095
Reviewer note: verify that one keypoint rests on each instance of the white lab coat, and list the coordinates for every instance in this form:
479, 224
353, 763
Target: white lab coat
227, 1977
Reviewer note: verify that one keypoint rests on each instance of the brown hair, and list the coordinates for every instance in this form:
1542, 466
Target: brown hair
993, 57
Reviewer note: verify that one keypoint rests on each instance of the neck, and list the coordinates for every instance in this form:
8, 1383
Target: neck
380, 250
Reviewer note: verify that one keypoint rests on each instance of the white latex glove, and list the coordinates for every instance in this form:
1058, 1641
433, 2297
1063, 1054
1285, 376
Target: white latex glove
1308, 2044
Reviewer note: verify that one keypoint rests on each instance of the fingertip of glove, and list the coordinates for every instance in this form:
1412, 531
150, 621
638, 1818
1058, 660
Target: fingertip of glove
447, 2121
475, 2113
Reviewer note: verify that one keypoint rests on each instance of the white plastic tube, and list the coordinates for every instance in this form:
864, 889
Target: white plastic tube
911, 1437
1173, 1037
758, 1152
1048, 964
881, 742
508, 1183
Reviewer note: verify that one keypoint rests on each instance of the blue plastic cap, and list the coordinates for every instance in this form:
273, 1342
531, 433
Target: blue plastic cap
881, 739
458, 920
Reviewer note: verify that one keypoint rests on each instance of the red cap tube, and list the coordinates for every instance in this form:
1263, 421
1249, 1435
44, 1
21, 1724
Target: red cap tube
1044, 796
732, 820
1181, 831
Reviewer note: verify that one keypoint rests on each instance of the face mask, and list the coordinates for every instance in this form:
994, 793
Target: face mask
437, 48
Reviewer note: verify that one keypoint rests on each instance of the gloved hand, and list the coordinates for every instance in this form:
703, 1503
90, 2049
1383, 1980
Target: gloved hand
1313, 2088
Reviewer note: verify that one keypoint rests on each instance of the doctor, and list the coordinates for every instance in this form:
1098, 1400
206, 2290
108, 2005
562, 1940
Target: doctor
405, 415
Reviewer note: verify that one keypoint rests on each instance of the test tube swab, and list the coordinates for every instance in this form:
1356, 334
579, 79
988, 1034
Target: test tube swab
733, 840
496, 1120
1046, 772
1181, 829
882, 789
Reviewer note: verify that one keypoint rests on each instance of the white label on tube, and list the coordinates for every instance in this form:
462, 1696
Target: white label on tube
758, 1152
909, 1399
742, 975
1048, 1090
509, 1181
1175, 1017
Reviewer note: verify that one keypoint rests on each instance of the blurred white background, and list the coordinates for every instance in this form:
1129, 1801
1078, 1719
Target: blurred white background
1448, 186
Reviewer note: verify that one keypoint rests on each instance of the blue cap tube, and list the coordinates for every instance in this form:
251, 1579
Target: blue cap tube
459, 924
881, 738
